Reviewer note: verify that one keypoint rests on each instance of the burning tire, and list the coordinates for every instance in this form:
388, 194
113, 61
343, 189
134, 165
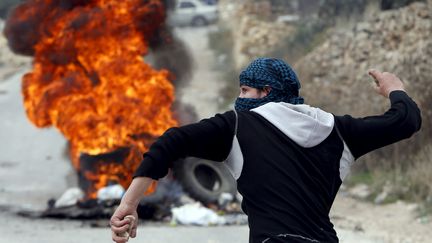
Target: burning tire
204, 180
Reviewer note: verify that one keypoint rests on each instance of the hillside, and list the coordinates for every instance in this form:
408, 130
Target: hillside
397, 41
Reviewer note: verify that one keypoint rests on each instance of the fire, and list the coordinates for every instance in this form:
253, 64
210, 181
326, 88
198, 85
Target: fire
90, 80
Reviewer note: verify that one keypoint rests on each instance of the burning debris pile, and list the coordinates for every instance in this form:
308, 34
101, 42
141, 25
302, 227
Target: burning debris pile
90, 81
168, 204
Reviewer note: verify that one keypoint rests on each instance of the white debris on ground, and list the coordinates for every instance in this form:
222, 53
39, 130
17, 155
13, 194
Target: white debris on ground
225, 198
196, 214
110, 192
69, 198
227, 212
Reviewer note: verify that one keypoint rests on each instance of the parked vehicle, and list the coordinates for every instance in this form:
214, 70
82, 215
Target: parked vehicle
192, 12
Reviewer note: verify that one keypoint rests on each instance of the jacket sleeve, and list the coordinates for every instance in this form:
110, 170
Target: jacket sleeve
208, 139
363, 135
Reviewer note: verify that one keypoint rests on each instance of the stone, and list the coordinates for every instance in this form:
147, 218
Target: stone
360, 191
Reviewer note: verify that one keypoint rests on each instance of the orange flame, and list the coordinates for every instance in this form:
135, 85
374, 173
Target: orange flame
90, 81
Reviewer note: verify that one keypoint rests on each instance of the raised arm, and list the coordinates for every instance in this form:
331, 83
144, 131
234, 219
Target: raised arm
401, 121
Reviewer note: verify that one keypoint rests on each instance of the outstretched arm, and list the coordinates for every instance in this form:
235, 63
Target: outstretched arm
209, 139
128, 206
401, 121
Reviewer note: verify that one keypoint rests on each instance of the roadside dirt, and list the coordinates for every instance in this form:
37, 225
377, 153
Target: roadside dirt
392, 223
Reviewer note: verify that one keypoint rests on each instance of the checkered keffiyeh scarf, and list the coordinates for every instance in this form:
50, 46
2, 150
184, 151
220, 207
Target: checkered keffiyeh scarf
269, 72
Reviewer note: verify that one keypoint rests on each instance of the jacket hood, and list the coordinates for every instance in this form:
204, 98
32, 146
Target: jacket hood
305, 125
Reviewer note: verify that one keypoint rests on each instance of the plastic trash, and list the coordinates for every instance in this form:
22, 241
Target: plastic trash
196, 214
224, 199
111, 192
69, 198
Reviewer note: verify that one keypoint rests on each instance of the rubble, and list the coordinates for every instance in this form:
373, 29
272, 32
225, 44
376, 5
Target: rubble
256, 31
360, 191
397, 41
168, 204
257, 37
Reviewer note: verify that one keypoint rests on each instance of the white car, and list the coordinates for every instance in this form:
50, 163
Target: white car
192, 12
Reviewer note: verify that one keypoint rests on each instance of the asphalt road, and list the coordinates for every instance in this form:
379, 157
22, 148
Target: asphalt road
34, 168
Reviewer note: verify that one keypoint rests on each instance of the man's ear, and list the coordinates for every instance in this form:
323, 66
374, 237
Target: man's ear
267, 89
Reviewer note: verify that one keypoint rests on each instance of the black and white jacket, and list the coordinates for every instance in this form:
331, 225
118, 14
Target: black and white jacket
289, 160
